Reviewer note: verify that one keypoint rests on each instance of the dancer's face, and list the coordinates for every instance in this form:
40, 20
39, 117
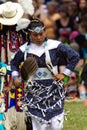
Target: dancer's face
37, 38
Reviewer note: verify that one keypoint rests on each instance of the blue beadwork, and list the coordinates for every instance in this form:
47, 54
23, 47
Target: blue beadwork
39, 74
27, 48
2, 117
45, 43
2, 127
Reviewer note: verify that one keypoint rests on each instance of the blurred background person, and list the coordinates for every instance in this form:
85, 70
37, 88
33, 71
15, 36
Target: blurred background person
82, 8
40, 9
72, 92
50, 17
65, 22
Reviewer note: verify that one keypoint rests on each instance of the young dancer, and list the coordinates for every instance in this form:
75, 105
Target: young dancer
44, 93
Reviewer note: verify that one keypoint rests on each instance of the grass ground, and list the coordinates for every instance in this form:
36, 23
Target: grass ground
77, 116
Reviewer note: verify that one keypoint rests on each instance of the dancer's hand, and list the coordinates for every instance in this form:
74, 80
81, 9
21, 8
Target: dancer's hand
59, 77
17, 83
9, 87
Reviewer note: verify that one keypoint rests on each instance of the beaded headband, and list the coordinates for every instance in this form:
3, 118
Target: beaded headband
37, 29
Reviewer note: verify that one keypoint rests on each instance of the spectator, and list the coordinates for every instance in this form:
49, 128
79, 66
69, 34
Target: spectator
50, 18
64, 37
82, 8
83, 26
82, 42
83, 83
73, 35
72, 90
40, 9
65, 22
73, 10
73, 43
66, 2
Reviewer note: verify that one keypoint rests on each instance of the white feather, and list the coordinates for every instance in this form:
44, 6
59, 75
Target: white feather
22, 24
27, 6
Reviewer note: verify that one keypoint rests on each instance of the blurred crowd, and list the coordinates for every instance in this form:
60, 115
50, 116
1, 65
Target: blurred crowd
66, 20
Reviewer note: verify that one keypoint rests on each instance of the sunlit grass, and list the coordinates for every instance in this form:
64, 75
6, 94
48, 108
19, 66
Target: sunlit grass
77, 116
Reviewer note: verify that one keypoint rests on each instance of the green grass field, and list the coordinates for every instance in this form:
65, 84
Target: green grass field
77, 116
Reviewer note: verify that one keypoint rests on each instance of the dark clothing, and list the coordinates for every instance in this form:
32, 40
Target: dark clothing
45, 98
68, 27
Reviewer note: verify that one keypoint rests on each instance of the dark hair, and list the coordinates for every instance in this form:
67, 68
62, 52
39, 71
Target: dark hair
1, 2
81, 40
63, 8
35, 23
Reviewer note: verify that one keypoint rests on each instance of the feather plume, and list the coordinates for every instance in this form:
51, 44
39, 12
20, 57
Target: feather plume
22, 24
27, 6
28, 68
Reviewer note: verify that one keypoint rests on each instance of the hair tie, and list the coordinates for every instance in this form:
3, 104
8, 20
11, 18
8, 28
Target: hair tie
34, 20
